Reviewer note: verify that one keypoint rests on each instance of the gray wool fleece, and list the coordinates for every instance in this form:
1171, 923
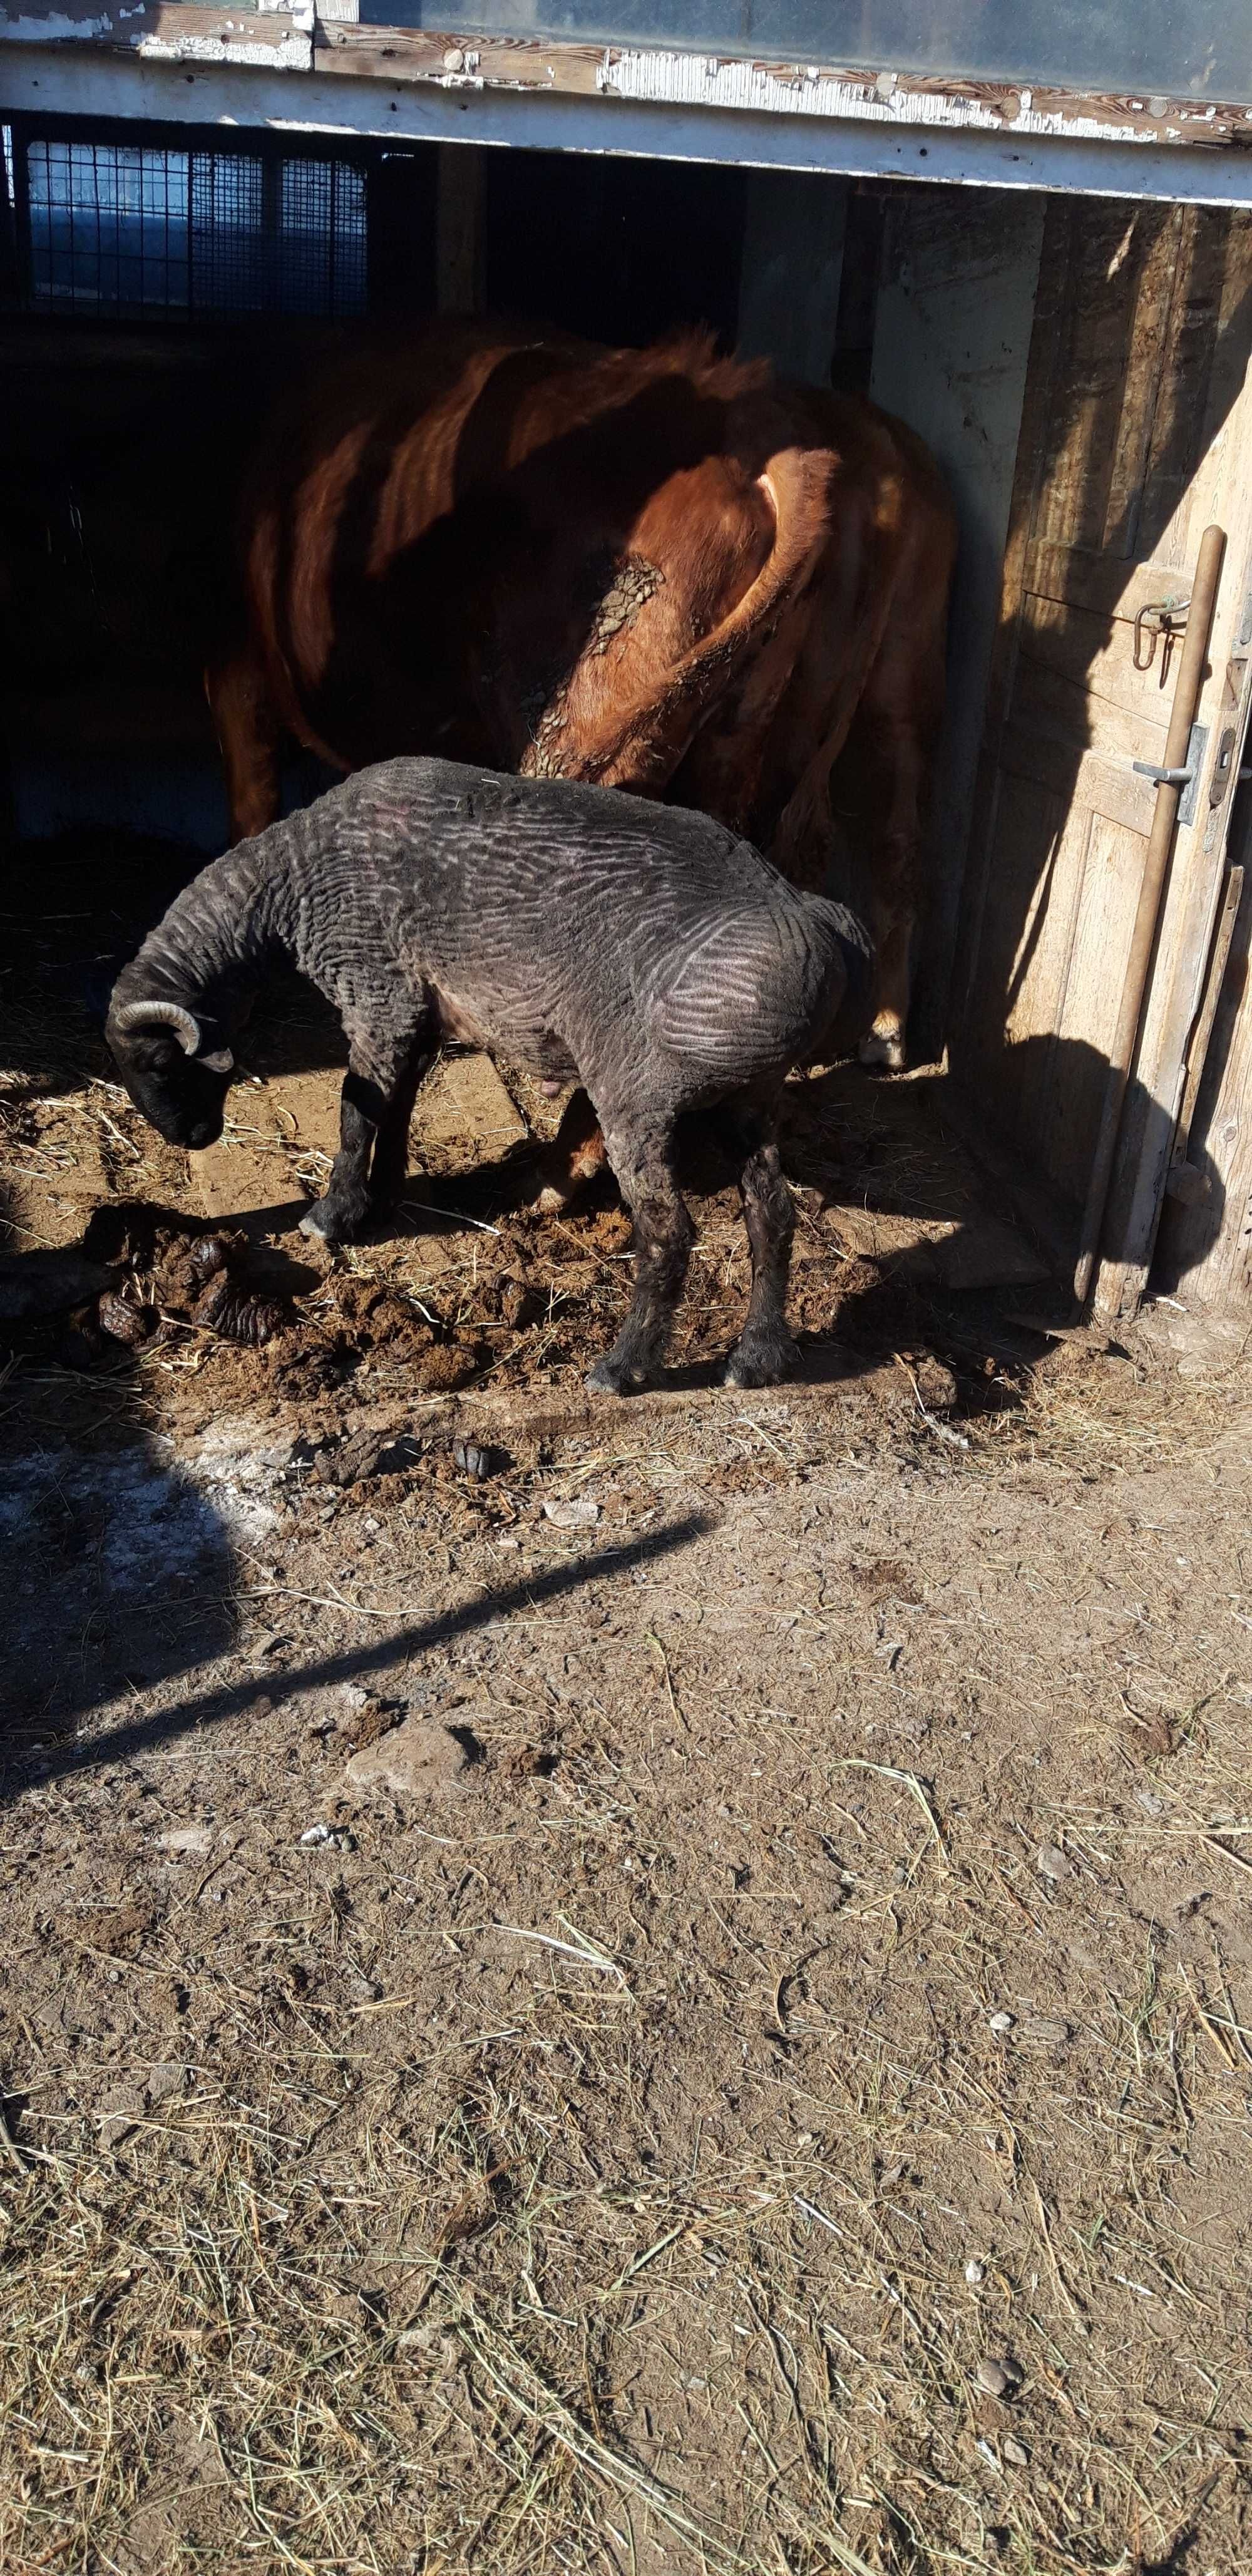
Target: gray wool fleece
570, 929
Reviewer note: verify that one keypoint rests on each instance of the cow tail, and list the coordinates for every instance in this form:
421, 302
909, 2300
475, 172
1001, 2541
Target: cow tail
645, 742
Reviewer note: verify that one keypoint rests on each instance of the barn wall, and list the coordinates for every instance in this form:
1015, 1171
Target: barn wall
1137, 427
1213, 1267
792, 271
955, 310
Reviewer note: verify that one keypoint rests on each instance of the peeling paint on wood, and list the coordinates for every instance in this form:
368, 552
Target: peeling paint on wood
177, 30
885, 98
462, 62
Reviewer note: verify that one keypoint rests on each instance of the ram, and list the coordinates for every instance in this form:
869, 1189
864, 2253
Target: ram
582, 935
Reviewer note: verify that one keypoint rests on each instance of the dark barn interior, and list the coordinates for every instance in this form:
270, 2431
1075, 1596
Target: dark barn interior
159, 286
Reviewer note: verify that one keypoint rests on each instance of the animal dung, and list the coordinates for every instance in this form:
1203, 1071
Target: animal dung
123, 1321
235, 1315
211, 1253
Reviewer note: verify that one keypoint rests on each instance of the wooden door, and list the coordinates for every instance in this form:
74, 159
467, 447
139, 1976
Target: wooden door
1136, 435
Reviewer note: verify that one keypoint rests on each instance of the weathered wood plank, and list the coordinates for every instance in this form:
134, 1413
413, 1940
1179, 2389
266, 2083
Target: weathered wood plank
177, 31
967, 1038
1164, 523
1159, 234
952, 337
789, 307
1078, 577
1109, 787
1067, 714
685, 78
1112, 248
1090, 994
461, 228
1209, 1247
1097, 655
472, 62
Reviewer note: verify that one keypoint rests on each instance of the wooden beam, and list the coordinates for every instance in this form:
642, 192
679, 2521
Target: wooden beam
461, 229
791, 270
168, 30
178, 62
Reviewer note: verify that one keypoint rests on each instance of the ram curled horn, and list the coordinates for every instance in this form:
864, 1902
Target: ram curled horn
130, 1016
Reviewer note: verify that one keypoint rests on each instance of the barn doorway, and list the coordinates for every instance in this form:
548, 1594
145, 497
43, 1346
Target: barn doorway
161, 285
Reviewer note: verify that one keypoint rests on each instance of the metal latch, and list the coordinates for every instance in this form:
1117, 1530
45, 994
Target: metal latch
1223, 766
1187, 779
1168, 618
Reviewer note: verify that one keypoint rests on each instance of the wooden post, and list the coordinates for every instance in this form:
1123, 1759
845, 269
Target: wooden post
791, 271
461, 230
1191, 669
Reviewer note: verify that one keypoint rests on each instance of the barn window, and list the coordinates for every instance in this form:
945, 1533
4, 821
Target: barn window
114, 228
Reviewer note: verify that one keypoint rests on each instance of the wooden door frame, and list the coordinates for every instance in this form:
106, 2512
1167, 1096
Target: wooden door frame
1196, 882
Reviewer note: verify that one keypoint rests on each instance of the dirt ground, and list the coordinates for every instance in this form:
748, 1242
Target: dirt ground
685, 2005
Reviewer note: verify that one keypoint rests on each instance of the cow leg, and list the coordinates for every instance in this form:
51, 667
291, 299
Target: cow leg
574, 1157
765, 1349
367, 1174
894, 764
663, 1238
882, 785
249, 736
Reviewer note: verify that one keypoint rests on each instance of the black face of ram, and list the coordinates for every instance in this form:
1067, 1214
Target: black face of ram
184, 1101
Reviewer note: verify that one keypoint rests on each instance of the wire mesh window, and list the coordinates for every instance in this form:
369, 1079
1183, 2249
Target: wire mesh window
108, 224
113, 228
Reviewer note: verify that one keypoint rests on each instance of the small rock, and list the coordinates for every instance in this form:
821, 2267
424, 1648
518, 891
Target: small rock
1000, 2023
997, 2378
323, 1837
362, 1717
118, 2116
576, 1513
1150, 1804
974, 2274
936, 1384
986, 2453
186, 1838
1051, 1863
1045, 2033
1015, 2452
164, 2079
473, 1459
418, 1758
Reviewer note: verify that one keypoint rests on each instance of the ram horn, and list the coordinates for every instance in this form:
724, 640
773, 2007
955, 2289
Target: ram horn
130, 1016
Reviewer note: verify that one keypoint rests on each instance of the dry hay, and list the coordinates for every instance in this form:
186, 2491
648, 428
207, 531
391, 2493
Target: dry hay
813, 1971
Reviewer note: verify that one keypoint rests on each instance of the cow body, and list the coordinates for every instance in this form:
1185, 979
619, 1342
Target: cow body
656, 570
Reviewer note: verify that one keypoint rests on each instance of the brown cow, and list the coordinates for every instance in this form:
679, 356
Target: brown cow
657, 569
